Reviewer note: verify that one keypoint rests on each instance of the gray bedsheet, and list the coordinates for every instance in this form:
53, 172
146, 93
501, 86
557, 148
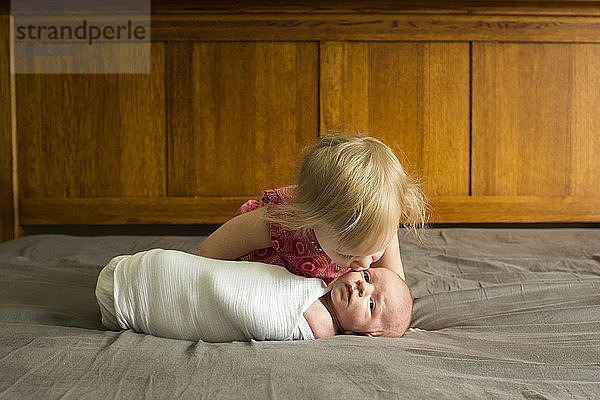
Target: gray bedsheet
507, 314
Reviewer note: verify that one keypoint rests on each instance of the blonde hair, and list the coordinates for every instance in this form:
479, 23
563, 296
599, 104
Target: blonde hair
354, 187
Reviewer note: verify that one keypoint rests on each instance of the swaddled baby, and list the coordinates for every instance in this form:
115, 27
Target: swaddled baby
178, 295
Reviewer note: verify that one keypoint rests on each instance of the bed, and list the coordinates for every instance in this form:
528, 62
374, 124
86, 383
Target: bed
493, 106
504, 313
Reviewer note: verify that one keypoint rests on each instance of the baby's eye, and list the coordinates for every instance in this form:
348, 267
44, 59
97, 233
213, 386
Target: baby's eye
366, 277
371, 304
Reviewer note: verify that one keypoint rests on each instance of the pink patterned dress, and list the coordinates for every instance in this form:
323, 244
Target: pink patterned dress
297, 255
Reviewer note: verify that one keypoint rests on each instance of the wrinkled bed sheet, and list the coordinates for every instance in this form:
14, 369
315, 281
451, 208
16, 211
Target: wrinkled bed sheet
506, 313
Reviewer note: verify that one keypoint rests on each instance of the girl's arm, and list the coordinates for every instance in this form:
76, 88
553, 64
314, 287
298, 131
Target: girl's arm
391, 258
238, 237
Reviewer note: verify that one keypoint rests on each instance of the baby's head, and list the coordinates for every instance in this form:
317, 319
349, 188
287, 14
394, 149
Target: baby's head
354, 188
374, 302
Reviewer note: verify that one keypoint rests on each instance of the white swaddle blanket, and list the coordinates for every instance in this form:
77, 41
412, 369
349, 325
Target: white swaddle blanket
178, 295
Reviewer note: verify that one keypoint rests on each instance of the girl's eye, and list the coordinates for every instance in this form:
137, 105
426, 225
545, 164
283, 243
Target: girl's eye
371, 304
366, 277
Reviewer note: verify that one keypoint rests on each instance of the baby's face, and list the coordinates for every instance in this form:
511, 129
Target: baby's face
368, 301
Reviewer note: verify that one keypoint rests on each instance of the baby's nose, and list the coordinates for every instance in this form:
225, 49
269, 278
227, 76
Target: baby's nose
362, 287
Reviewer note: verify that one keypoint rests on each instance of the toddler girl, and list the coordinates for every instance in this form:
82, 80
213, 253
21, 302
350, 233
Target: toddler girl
178, 295
343, 214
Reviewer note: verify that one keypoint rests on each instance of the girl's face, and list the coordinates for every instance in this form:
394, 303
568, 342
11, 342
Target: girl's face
345, 259
366, 301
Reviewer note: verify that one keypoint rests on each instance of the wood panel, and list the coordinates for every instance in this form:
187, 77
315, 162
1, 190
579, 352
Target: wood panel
92, 135
415, 96
238, 89
128, 210
521, 209
7, 228
377, 25
217, 209
554, 7
536, 130
239, 114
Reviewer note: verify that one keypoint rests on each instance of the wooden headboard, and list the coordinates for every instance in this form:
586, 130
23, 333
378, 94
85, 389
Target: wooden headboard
495, 105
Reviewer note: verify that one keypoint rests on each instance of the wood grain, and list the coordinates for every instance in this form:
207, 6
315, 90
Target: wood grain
585, 7
376, 26
414, 96
7, 216
88, 135
585, 126
237, 89
522, 209
129, 210
535, 119
239, 115
216, 210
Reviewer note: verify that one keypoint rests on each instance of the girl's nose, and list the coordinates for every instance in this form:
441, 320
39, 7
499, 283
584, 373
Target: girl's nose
363, 262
